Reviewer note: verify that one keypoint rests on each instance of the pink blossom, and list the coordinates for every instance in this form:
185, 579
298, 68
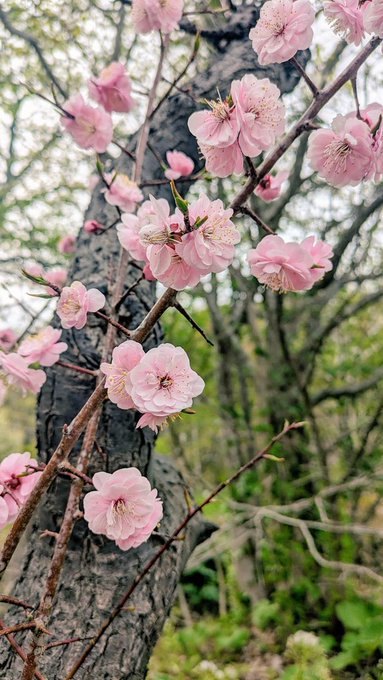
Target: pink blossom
209, 247
128, 232
124, 507
163, 382
260, 112
373, 17
8, 338
3, 392
155, 423
281, 266
343, 155
4, 512
44, 347
113, 89
92, 227
124, 358
148, 274
18, 373
223, 162
218, 127
35, 269
284, 27
178, 274
269, 188
180, 165
346, 18
321, 253
76, 302
57, 276
122, 192
91, 128
156, 15
17, 477
67, 245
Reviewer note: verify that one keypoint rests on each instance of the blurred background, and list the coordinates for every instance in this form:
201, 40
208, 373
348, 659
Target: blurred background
291, 586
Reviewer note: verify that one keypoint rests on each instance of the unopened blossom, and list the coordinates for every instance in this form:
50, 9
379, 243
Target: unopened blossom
76, 302
8, 338
122, 192
56, 277
90, 127
92, 227
35, 269
281, 266
44, 347
269, 188
223, 162
260, 112
321, 253
113, 88
210, 245
218, 127
118, 383
67, 244
124, 507
283, 28
180, 165
373, 17
346, 19
156, 15
17, 372
343, 155
18, 477
163, 382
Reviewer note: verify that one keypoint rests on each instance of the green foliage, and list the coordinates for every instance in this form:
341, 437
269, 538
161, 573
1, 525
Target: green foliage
363, 637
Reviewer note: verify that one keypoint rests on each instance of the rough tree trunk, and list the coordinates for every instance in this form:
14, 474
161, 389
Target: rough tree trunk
96, 573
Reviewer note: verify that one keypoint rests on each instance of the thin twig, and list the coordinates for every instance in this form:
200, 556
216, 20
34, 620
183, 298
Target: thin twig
192, 322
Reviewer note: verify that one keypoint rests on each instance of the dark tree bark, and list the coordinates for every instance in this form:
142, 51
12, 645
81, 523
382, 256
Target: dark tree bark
96, 573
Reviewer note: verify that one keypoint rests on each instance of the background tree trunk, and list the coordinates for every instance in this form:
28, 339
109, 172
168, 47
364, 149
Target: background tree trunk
96, 573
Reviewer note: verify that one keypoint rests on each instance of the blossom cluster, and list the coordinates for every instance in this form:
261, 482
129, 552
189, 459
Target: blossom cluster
18, 476
124, 507
352, 19
352, 150
246, 123
180, 249
159, 383
290, 266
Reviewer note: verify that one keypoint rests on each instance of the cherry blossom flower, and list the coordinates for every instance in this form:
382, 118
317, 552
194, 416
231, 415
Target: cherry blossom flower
44, 347
156, 15
269, 188
178, 274
373, 17
155, 423
8, 338
124, 358
210, 246
180, 165
67, 244
128, 232
57, 276
17, 372
223, 162
76, 302
281, 266
122, 192
218, 127
321, 253
17, 477
284, 27
92, 227
260, 112
35, 269
113, 89
163, 382
346, 18
124, 507
343, 155
91, 128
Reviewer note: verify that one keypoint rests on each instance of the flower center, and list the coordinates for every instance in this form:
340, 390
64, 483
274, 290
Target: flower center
71, 307
13, 482
336, 154
166, 381
220, 109
120, 508
117, 381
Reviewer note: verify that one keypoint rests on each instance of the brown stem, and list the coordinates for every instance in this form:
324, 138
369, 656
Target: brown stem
17, 603
223, 485
73, 367
146, 325
19, 650
247, 211
192, 322
305, 77
117, 325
